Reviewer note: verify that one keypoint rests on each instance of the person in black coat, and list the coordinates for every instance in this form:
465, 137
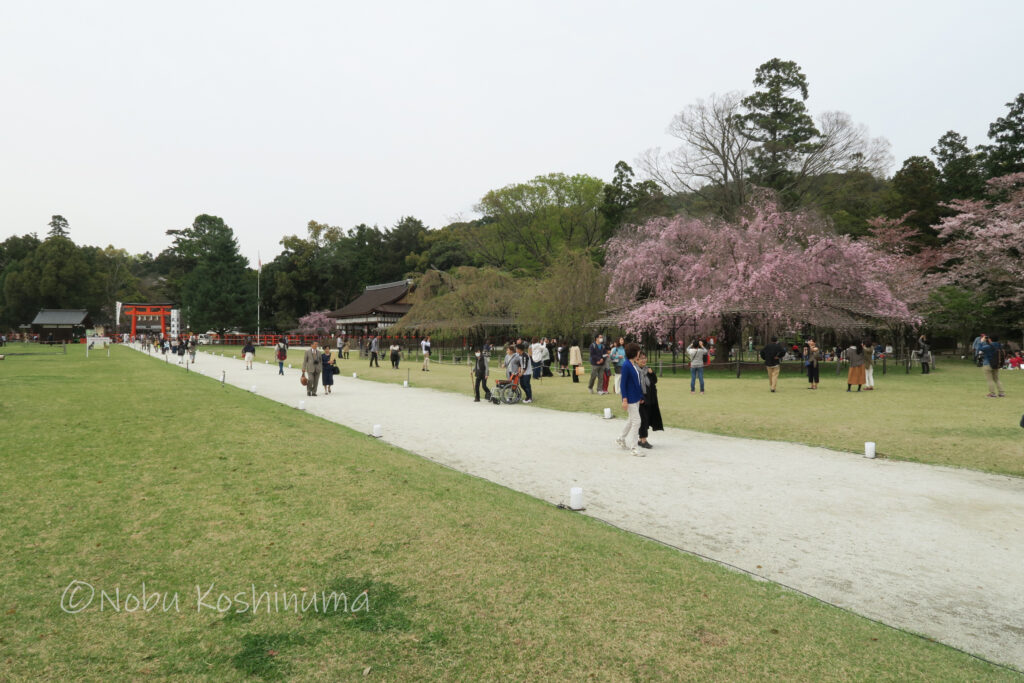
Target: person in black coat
650, 413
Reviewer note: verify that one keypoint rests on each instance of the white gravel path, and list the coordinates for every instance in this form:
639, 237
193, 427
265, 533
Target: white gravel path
935, 550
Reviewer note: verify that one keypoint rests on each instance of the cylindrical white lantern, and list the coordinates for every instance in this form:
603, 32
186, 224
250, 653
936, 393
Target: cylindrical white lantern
405, 382
869, 449
576, 498
302, 405
354, 375
607, 413
253, 388
289, 366
378, 431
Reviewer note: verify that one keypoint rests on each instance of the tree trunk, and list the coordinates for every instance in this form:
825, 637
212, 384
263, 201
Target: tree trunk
730, 337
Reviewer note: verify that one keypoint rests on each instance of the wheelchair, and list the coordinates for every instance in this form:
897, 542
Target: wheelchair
507, 391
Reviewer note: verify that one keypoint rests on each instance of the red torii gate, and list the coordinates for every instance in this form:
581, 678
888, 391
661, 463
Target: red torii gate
137, 311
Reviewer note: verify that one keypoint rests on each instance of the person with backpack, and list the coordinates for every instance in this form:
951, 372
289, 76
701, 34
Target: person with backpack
281, 353
993, 357
481, 371
772, 354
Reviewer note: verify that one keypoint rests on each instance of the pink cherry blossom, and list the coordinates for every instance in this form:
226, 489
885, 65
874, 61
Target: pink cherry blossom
769, 265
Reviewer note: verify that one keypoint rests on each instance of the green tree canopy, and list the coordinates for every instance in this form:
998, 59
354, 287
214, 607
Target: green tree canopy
916, 191
624, 200
1005, 154
961, 173
217, 292
58, 226
528, 225
777, 118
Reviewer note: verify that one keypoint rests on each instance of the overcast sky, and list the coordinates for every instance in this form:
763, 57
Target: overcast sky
130, 118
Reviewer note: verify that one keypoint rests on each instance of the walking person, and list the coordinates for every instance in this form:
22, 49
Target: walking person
650, 413
249, 353
396, 354
375, 351
425, 350
327, 375
281, 353
181, 351
813, 357
563, 359
632, 395
526, 372
576, 362
868, 350
481, 371
772, 355
924, 354
698, 359
855, 375
597, 363
991, 362
311, 366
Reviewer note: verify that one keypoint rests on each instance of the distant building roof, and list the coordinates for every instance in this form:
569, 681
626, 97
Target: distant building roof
48, 317
384, 298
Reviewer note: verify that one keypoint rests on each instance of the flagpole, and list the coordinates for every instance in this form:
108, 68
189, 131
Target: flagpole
259, 269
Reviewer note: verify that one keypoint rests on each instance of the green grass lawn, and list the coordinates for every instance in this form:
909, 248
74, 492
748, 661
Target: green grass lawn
121, 471
941, 418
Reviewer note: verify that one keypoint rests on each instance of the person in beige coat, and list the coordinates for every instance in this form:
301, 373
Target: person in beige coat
575, 361
312, 362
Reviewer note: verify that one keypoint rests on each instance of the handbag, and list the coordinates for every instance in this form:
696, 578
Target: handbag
580, 370
303, 380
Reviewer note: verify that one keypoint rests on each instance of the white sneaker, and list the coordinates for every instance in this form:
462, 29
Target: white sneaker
638, 453
622, 443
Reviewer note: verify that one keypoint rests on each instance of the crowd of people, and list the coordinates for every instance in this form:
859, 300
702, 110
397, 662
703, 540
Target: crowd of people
618, 367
